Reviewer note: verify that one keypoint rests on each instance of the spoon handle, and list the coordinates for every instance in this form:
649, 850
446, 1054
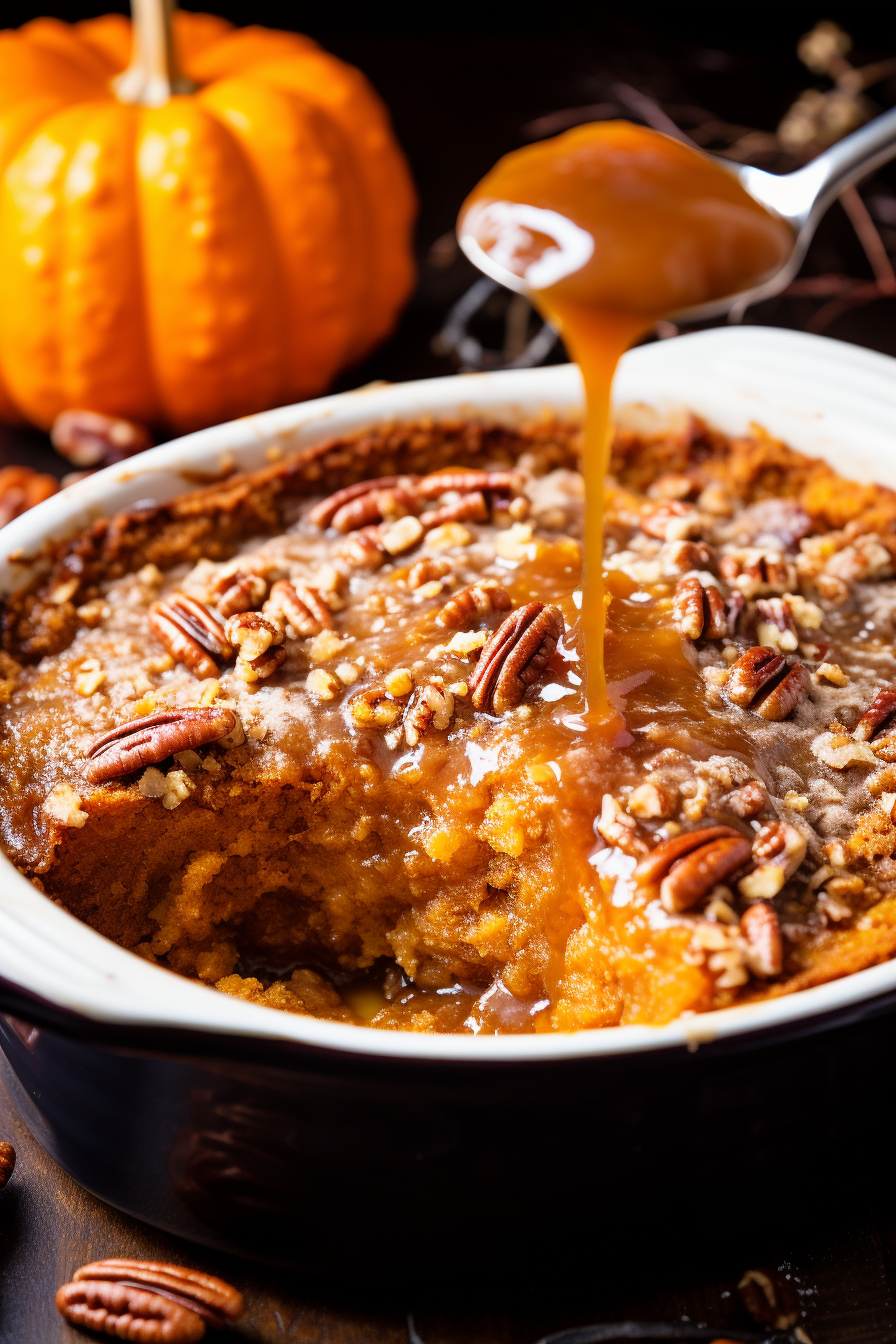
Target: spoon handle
846, 162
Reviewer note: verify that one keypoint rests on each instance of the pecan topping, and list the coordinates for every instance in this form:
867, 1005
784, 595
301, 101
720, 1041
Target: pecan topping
362, 549
672, 521
776, 625
337, 510
687, 867
878, 719
465, 480
89, 439
252, 633
699, 609
191, 632
761, 933
239, 592
302, 606
778, 849
208, 1296
619, 829
473, 603
470, 508
765, 682
515, 657
376, 506
7, 1162
430, 706
755, 572
679, 557
149, 740
375, 708
265, 665
747, 800
20, 489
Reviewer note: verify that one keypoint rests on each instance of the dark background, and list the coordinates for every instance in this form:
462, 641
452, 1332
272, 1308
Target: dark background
462, 86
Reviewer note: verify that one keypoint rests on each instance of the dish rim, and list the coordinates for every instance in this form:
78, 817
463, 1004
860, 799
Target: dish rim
821, 395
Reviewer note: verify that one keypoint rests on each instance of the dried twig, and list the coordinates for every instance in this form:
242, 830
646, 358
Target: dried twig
868, 236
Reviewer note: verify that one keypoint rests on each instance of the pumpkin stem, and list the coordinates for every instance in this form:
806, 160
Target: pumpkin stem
152, 76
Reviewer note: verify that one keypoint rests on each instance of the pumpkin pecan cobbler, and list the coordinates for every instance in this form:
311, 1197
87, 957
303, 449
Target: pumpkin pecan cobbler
316, 735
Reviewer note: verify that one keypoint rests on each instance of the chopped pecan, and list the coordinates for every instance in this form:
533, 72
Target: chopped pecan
755, 572
209, 1297
687, 867
769, 1298
302, 606
619, 829
375, 708
778, 849
465, 480
325, 513
262, 666
877, 725
776, 625
515, 657
238, 591
20, 489
149, 740
673, 485
89, 439
672, 521
761, 932
469, 508
766, 683
699, 609
473, 603
7, 1162
427, 571
679, 557
362, 549
430, 706
747, 800
191, 632
251, 633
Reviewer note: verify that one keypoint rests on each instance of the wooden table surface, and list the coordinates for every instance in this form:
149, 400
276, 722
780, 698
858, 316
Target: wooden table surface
845, 1263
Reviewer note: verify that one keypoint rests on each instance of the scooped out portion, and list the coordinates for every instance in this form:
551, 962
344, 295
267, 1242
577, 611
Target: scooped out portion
314, 734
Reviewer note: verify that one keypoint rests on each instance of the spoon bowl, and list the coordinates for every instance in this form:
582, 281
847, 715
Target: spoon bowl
800, 198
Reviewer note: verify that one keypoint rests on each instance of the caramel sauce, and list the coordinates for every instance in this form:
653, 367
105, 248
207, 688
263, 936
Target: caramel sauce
613, 227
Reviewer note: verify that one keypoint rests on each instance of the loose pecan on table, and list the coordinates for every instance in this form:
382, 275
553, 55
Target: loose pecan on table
191, 632
514, 657
301, 606
149, 740
701, 612
20, 489
7, 1162
473, 603
148, 1301
763, 946
89, 439
687, 867
359, 505
766, 683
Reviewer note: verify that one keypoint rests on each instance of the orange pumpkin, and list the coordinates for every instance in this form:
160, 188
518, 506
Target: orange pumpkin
227, 249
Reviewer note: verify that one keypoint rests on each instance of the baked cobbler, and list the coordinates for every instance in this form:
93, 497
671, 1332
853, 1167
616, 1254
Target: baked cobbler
315, 734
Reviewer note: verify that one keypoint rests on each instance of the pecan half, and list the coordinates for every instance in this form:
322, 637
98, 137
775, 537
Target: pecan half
687, 867
679, 557
128, 1313
191, 632
149, 740
324, 514
761, 932
89, 439
239, 591
204, 1294
20, 489
465, 480
754, 571
515, 657
776, 625
699, 609
473, 603
362, 549
766, 683
469, 508
376, 506
672, 521
430, 706
878, 721
302, 606
7, 1162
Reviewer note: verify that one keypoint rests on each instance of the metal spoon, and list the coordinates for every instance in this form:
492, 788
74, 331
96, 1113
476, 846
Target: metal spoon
801, 198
